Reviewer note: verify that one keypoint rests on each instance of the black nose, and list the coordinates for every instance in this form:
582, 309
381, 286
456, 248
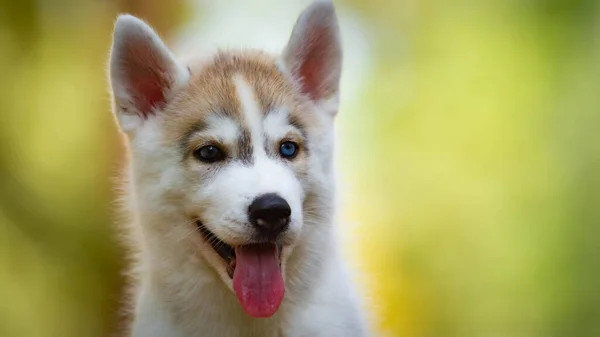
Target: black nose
270, 214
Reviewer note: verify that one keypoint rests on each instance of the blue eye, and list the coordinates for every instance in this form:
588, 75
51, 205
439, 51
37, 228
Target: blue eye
209, 154
288, 150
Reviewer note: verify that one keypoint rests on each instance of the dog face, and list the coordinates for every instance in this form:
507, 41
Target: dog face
238, 145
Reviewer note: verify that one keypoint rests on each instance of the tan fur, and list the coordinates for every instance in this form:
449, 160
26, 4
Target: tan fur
211, 85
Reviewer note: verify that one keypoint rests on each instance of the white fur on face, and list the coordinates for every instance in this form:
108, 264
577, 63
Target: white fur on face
276, 125
223, 128
252, 114
228, 195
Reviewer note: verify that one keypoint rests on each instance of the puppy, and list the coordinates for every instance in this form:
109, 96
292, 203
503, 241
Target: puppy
231, 185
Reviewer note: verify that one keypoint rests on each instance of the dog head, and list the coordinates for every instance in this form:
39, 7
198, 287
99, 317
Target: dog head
238, 146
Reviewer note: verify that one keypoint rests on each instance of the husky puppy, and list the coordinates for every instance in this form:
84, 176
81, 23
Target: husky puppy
231, 185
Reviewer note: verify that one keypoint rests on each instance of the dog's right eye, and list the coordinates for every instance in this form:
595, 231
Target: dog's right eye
209, 154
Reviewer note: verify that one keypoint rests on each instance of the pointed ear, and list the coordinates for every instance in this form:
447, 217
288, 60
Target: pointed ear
314, 53
143, 72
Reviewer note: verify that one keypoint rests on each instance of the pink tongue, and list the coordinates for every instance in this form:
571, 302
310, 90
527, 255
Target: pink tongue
257, 280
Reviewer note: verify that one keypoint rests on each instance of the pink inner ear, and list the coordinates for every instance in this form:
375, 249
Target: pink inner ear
317, 58
146, 75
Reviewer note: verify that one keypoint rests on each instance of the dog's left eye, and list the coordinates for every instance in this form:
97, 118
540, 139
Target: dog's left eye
288, 150
209, 154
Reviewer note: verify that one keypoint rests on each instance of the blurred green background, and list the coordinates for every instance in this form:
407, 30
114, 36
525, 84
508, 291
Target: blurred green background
469, 155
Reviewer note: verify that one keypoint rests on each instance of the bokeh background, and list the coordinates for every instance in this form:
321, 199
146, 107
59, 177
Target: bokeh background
469, 158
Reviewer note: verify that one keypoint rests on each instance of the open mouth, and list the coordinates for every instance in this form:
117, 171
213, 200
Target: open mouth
227, 252
256, 273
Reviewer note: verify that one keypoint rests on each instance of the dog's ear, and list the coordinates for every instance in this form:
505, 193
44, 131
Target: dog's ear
314, 54
143, 72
